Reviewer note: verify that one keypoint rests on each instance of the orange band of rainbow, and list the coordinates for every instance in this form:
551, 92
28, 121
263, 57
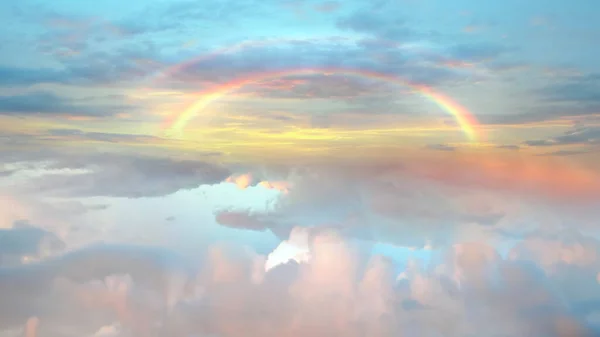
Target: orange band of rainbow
465, 120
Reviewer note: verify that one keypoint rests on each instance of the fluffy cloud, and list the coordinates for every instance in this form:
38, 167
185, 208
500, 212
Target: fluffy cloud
95, 286
470, 290
316, 284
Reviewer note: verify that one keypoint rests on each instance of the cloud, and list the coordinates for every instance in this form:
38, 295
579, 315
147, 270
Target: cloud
6, 172
181, 16
44, 103
417, 62
328, 7
579, 135
431, 199
78, 135
478, 52
83, 290
544, 111
241, 220
13, 76
123, 176
583, 89
564, 153
388, 27
441, 147
481, 219
570, 96
242, 181
336, 293
131, 63
24, 241
508, 147
324, 87
148, 266
318, 284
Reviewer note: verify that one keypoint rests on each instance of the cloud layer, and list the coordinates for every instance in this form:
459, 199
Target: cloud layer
337, 288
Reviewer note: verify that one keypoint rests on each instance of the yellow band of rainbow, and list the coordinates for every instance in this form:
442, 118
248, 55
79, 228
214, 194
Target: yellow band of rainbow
465, 120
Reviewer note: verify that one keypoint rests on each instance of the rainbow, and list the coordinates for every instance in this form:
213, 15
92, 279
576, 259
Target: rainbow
465, 120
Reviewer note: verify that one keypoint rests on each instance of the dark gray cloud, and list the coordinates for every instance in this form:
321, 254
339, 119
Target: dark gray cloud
323, 86
130, 59
572, 96
26, 241
125, 176
441, 147
566, 153
583, 89
129, 63
381, 25
189, 15
16, 76
580, 135
45, 103
242, 220
76, 135
328, 6
404, 63
404, 210
71, 294
144, 264
6, 172
478, 51
508, 147
544, 112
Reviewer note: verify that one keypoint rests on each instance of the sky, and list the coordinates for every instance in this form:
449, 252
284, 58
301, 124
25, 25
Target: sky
300, 168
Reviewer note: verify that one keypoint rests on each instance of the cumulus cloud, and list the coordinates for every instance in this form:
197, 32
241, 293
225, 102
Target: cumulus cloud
471, 289
82, 290
316, 283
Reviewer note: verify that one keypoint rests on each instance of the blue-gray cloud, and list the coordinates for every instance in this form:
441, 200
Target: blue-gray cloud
387, 27
17, 76
52, 289
441, 147
46, 103
508, 147
576, 136
129, 176
583, 89
419, 65
26, 241
78, 135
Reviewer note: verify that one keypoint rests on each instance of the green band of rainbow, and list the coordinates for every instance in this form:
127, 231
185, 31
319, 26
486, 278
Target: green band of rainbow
465, 120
